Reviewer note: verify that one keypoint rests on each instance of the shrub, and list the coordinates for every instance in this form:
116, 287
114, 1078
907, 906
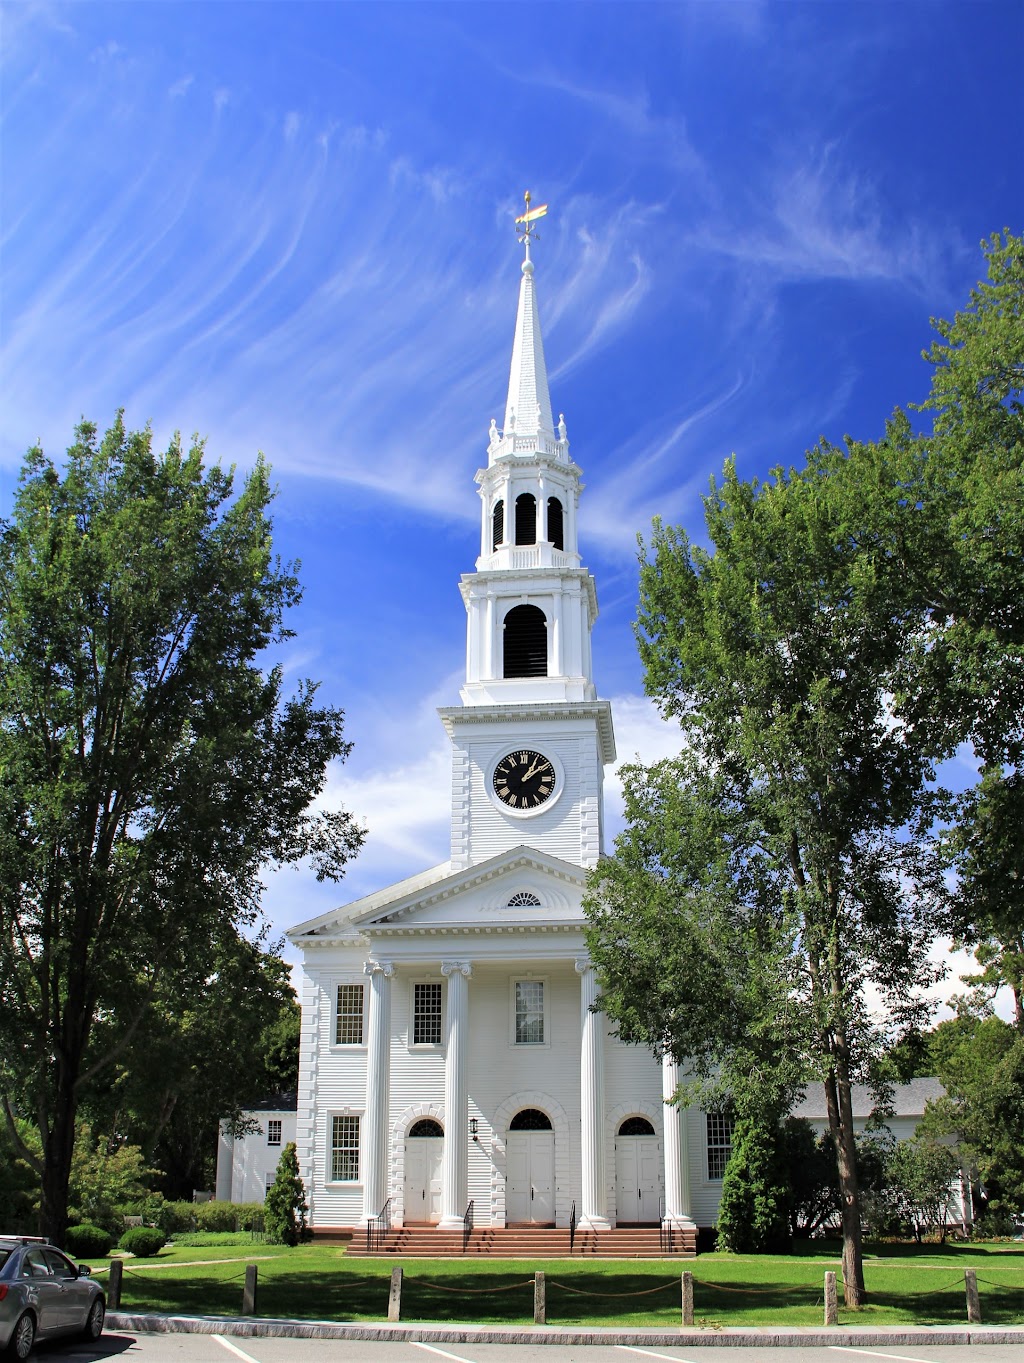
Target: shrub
286, 1207
143, 1241
88, 1241
753, 1215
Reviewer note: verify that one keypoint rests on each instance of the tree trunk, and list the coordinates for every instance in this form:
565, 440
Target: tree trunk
58, 1148
840, 1121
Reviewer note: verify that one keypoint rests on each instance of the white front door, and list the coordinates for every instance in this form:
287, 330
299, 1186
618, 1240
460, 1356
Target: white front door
637, 1178
530, 1183
423, 1178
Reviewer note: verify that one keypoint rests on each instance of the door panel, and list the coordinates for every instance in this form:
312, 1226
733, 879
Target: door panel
638, 1178
530, 1185
423, 1178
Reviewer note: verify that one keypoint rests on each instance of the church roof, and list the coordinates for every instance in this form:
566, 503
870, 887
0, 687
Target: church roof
908, 1100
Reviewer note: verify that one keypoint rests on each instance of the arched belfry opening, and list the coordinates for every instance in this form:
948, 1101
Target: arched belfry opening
556, 530
526, 518
497, 525
525, 643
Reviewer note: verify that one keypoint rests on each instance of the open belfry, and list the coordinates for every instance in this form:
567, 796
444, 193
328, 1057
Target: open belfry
454, 1079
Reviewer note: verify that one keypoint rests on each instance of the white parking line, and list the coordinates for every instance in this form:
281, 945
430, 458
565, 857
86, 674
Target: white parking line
848, 1349
234, 1349
649, 1353
443, 1352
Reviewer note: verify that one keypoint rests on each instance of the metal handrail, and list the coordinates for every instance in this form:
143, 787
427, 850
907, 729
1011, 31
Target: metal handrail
467, 1226
378, 1228
664, 1230
572, 1226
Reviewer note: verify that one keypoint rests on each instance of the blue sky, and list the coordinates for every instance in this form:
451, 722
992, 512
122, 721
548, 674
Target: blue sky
289, 227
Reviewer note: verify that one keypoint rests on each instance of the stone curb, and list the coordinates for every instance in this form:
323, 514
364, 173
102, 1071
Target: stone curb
766, 1336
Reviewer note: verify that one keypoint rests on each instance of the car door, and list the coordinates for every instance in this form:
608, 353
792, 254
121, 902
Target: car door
44, 1289
76, 1293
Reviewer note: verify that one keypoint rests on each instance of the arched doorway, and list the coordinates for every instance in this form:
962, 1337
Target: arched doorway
530, 1170
424, 1145
638, 1173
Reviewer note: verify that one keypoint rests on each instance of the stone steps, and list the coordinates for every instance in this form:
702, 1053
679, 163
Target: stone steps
522, 1242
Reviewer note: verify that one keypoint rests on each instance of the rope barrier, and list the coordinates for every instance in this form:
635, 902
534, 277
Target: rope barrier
456, 1291
582, 1292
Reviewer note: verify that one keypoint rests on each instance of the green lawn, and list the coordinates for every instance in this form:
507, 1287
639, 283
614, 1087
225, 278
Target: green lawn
905, 1285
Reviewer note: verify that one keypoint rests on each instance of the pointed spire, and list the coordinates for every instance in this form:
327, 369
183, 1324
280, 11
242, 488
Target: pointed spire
528, 409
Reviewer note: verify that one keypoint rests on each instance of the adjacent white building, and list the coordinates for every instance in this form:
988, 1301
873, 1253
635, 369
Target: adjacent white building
247, 1164
449, 1053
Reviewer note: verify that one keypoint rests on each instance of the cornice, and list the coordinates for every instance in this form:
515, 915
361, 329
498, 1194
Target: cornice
457, 716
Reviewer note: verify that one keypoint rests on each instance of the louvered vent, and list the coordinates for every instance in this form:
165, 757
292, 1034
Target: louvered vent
497, 525
555, 531
525, 642
526, 518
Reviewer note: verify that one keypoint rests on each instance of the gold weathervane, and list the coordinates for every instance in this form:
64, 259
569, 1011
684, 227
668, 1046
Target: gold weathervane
525, 222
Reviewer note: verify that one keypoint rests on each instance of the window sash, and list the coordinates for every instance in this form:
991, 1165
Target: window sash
426, 1015
529, 1013
344, 1149
348, 1027
720, 1129
274, 1131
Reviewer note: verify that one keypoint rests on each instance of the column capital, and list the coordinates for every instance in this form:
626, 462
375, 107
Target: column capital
385, 968
583, 964
461, 967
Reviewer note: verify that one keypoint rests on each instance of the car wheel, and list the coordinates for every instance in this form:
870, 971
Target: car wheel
94, 1321
22, 1339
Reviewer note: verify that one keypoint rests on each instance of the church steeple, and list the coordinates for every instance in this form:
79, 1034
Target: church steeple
528, 409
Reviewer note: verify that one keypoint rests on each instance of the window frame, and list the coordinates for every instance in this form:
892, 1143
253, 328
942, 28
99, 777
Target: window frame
279, 1124
344, 1115
337, 1045
545, 984
718, 1145
415, 1045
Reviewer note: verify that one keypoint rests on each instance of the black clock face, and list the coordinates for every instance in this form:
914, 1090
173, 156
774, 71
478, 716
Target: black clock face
524, 779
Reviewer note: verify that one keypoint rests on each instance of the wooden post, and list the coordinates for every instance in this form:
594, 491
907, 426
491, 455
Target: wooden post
687, 1298
540, 1306
831, 1301
395, 1299
114, 1284
973, 1300
249, 1291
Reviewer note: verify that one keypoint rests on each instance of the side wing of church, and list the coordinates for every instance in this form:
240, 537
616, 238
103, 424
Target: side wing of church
449, 1053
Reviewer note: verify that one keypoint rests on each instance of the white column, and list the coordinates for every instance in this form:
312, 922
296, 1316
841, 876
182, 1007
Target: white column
456, 1124
677, 1159
594, 1210
378, 1048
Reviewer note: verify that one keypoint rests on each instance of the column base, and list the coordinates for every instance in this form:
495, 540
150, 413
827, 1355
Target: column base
450, 1223
680, 1222
593, 1223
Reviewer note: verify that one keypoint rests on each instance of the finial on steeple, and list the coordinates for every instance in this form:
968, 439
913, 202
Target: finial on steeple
525, 227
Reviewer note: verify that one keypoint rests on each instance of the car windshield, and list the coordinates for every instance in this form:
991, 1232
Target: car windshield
5, 1254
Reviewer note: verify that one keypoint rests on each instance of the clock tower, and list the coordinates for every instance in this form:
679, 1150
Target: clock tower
530, 739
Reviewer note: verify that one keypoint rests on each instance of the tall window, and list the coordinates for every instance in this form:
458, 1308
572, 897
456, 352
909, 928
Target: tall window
526, 518
344, 1149
525, 643
556, 533
426, 1014
348, 1030
274, 1131
497, 524
529, 1013
719, 1143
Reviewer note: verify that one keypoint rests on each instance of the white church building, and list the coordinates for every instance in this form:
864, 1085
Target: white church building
450, 1058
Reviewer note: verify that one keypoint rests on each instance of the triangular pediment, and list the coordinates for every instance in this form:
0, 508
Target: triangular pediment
515, 889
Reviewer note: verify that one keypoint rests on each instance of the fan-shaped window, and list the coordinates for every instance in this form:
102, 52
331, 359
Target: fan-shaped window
526, 518
636, 1126
497, 524
426, 1126
556, 532
525, 643
523, 899
530, 1119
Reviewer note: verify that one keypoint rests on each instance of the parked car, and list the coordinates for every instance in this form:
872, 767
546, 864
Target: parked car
43, 1295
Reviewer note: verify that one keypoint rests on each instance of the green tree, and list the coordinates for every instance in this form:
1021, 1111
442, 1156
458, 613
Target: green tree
780, 866
810, 1170
753, 1215
150, 768
285, 1207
